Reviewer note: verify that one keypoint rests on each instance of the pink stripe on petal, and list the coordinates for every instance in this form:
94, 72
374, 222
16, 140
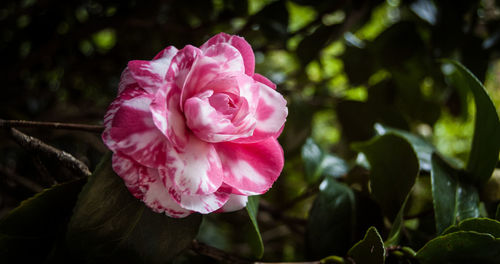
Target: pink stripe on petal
167, 53
240, 44
167, 116
131, 130
251, 168
271, 115
204, 204
145, 184
259, 78
203, 71
195, 169
181, 65
228, 57
216, 125
126, 81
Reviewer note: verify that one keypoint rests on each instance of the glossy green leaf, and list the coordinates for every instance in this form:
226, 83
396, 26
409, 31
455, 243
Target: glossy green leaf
331, 220
395, 232
497, 215
486, 141
461, 247
394, 168
453, 199
370, 249
480, 225
252, 209
110, 225
422, 148
317, 163
28, 233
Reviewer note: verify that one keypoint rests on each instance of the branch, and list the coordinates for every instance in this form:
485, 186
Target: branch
55, 125
36, 145
217, 254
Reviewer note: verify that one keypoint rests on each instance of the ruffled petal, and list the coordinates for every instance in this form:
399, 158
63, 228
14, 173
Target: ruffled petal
271, 115
204, 203
251, 168
129, 129
145, 184
150, 75
259, 78
167, 115
195, 169
235, 203
240, 44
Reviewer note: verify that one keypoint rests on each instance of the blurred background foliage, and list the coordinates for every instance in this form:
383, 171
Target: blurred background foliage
342, 65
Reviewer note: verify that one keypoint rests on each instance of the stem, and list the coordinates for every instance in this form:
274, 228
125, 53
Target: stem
37, 146
55, 125
217, 254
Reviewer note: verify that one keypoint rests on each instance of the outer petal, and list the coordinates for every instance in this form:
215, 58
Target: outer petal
251, 168
271, 115
235, 203
196, 169
240, 44
126, 81
129, 129
144, 183
259, 78
150, 75
205, 203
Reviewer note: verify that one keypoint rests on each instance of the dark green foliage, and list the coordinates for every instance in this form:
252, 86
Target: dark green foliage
380, 156
31, 231
110, 225
370, 249
331, 223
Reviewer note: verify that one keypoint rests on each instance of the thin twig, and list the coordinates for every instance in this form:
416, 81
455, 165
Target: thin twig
26, 183
36, 145
55, 125
217, 254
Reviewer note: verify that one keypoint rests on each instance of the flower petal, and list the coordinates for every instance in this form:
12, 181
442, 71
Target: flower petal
167, 115
235, 203
150, 75
271, 115
251, 168
145, 184
204, 203
195, 169
259, 78
240, 44
129, 129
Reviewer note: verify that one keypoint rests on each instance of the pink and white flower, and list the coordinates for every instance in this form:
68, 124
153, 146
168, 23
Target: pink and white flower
195, 130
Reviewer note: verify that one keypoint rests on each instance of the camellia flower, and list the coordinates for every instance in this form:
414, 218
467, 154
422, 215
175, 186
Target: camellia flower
194, 130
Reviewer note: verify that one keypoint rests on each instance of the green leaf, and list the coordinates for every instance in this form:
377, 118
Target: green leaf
252, 209
486, 141
331, 223
397, 224
422, 148
497, 215
110, 225
28, 233
394, 169
453, 199
461, 247
370, 249
317, 163
480, 225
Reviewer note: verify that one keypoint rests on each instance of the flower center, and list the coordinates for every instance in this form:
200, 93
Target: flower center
224, 104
